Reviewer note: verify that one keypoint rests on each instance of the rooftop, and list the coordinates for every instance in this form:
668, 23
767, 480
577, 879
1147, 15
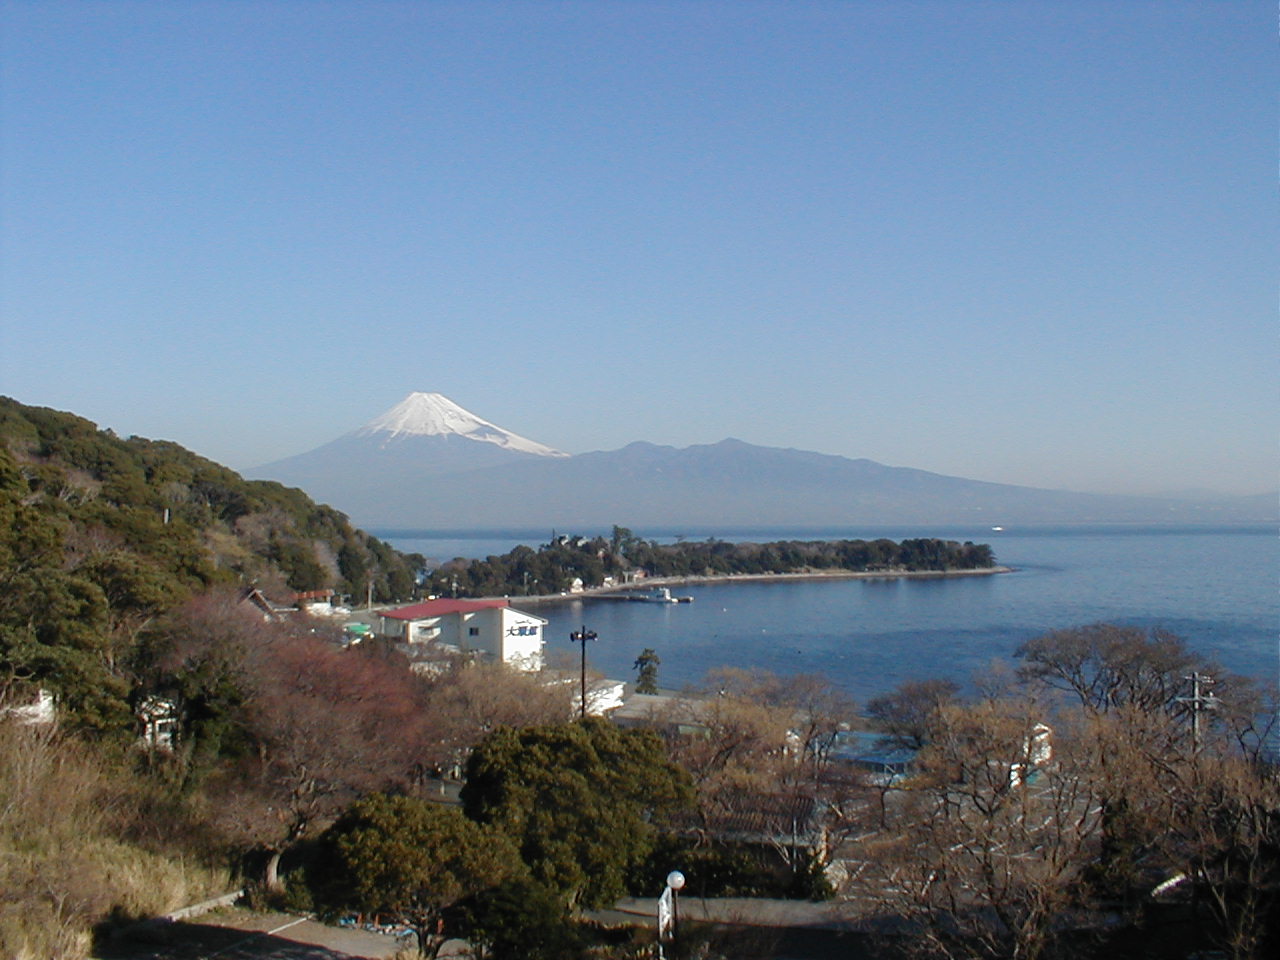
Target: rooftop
440, 608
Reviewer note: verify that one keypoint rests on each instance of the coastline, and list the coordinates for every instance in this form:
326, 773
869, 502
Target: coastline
650, 582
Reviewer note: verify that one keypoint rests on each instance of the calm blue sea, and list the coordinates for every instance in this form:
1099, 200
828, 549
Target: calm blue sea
1216, 587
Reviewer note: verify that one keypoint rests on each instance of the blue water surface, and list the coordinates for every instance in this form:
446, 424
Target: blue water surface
1216, 587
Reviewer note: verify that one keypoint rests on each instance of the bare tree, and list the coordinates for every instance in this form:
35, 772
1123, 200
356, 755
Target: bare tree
807, 707
328, 725
987, 857
1183, 783
909, 714
470, 699
1226, 830
285, 728
1106, 666
738, 743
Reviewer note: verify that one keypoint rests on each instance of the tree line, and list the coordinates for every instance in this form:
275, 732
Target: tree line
554, 566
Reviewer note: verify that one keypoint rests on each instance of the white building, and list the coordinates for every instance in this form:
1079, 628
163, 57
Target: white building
488, 627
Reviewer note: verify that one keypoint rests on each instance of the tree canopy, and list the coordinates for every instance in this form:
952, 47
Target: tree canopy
581, 800
409, 859
553, 566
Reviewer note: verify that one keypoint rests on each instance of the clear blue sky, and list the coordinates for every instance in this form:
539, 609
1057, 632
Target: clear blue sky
1031, 242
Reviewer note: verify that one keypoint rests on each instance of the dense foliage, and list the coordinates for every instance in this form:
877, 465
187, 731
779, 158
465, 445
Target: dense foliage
582, 801
554, 566
406, 858
99, 536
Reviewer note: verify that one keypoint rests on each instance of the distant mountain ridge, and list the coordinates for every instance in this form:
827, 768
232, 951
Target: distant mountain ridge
423, 435
428, 463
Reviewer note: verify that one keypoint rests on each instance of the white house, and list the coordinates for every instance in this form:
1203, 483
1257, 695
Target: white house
488, 627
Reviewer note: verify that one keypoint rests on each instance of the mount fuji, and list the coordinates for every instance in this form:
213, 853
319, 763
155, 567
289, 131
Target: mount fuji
429, 464
424, 435
434, 415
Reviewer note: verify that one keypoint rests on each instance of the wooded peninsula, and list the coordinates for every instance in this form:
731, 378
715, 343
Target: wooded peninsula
575, 562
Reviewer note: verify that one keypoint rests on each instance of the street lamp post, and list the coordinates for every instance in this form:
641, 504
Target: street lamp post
582, 636
675, 883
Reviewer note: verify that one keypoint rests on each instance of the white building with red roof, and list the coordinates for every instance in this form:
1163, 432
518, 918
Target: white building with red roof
491, 628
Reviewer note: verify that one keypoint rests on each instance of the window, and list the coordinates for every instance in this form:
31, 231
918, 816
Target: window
474, 631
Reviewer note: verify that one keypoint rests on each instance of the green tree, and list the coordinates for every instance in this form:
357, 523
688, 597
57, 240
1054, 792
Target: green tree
582, 801
405, 858
519, 920
647, 665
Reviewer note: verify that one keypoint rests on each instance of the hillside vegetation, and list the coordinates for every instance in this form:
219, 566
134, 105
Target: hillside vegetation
100, 535
123, 568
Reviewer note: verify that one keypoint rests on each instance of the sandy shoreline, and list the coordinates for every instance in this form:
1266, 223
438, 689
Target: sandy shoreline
650, 582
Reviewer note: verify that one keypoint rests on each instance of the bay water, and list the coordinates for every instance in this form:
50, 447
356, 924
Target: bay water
1214, 586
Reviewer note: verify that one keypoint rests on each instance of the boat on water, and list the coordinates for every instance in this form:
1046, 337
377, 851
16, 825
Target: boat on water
653, 595
660, 595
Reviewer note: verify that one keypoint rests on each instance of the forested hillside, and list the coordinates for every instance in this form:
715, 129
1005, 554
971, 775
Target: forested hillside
99, 535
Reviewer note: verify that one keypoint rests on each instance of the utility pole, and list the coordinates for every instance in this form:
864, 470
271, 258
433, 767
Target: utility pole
1198, 701
582, 636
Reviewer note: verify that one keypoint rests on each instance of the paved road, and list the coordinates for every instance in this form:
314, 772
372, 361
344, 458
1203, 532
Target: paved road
762, 929
775, 929
235, 934
748, 911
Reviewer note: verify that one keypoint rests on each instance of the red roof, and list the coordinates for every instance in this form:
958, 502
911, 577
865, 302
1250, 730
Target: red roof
440, 608
313, 595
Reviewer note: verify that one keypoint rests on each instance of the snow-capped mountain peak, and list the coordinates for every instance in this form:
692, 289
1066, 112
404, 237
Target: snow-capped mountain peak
433, 414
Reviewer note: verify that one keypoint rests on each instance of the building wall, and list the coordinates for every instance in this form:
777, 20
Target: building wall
481, 631
520, 639
498, 633
433, 630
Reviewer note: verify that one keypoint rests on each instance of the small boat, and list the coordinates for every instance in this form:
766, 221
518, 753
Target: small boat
661, 595
658, 595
